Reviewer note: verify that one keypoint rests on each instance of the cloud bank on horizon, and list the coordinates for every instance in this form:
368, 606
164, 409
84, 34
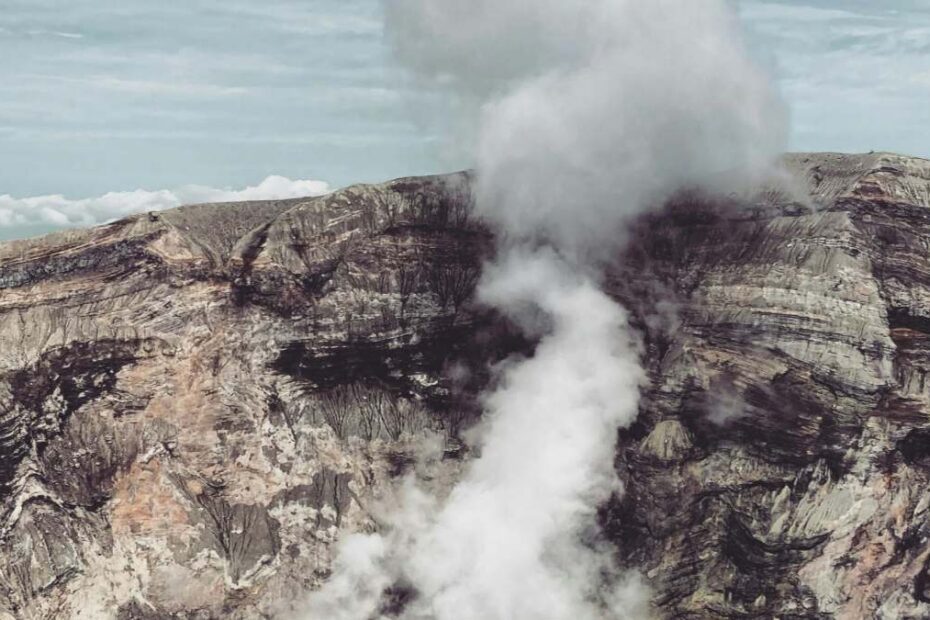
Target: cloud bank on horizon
44, 213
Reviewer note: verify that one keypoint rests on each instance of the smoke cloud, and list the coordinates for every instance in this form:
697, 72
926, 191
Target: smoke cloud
588, 113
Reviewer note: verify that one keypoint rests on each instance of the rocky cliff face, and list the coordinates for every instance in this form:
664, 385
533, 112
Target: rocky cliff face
195, 403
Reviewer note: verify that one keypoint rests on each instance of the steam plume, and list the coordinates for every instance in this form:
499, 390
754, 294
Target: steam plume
588, 112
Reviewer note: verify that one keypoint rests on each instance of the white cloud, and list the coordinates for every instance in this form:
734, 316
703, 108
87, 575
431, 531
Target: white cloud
171, 88
851, 71
55, 33
155, 87
153, 93
56, 211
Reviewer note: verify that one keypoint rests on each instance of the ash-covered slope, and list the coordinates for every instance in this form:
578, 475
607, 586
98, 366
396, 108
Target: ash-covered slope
194, 403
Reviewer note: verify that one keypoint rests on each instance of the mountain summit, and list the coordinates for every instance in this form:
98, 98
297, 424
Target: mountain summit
196, 403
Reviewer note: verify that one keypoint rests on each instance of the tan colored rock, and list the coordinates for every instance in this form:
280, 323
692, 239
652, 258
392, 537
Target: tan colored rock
195, 404
669, 440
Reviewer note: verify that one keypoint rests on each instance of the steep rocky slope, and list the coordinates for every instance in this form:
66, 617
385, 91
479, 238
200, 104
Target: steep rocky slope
194, 403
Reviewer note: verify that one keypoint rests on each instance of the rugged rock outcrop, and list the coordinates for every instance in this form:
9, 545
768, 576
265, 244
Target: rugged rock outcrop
194, 403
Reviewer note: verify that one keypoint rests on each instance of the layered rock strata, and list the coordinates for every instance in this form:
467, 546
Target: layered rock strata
196, 403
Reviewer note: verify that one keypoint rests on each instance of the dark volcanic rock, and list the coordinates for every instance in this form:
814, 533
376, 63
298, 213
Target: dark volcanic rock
194, 403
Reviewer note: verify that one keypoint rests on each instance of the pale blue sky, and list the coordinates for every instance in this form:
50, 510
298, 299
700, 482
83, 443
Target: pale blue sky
115, 95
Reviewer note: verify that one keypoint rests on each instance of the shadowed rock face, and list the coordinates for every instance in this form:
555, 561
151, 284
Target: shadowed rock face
194, 403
